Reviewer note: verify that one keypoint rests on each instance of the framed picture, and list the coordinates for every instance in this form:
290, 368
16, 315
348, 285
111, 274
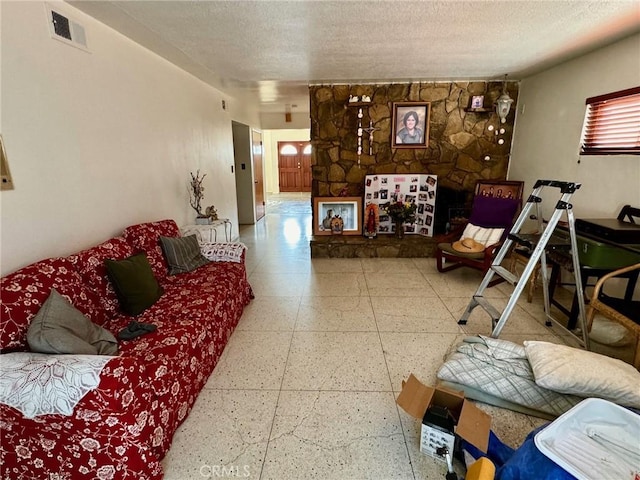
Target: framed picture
337, 215
410, 124
477, 101
7, 182
500, 189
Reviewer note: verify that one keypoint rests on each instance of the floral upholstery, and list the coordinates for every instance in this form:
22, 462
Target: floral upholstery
90, 265
124, 427
23, 293
145, 237
107, 437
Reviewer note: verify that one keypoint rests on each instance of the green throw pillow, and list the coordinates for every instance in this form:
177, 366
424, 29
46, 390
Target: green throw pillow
182, 253
59, 327
136, 287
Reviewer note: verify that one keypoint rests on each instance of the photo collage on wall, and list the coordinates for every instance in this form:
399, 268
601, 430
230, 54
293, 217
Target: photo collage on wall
419, 189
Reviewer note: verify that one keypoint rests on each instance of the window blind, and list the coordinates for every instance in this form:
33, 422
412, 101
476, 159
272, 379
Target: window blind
612, 124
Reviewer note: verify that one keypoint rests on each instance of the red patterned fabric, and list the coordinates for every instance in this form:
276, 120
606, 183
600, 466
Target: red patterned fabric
145, 237
109, 435
90, 264
123, 429
23, 292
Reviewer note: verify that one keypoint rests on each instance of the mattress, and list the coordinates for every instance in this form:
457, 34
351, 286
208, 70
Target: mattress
497, 372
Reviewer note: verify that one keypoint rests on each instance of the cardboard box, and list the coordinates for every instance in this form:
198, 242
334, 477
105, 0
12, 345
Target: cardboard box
426, 404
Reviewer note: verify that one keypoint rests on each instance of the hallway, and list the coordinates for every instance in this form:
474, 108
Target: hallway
306, 386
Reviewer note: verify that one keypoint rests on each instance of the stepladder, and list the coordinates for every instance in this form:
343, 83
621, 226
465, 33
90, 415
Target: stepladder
538, 244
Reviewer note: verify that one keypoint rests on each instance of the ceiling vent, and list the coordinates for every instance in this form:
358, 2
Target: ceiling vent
64, 29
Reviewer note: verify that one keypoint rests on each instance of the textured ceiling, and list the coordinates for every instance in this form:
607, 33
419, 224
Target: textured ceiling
275, 49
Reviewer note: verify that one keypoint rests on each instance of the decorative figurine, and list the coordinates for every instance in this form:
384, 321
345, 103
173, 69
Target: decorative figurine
211, 212
372, 220
337, 225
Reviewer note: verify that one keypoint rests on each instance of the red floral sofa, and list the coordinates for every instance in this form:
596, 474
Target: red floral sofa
124, 427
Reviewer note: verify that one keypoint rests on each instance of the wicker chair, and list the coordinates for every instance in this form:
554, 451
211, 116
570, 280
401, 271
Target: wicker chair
597, 304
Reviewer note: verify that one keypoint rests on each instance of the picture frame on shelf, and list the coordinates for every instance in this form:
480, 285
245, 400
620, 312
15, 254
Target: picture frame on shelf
477, 102
410, 124
333, 212
501, 189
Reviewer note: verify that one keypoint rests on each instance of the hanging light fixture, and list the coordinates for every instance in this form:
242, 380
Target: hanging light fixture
503, 104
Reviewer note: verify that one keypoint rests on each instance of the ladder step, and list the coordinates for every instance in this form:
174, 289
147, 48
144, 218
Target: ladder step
487, 307
506, 274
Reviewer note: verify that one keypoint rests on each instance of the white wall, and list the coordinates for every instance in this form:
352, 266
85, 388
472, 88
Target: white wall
547, 134
98, 141
270, 139
277, 121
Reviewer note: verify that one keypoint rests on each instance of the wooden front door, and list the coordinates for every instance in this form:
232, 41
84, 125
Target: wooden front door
258, 173
294, 166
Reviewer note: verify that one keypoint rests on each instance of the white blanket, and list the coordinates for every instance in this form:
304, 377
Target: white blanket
223, 252
42, 384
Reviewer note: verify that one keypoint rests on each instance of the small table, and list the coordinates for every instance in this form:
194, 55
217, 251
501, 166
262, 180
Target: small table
209, 233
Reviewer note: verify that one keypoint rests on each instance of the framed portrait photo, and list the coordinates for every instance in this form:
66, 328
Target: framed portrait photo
477, 102
410, 124
337, 215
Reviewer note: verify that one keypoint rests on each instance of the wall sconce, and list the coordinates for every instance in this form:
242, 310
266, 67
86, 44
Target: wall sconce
503, 104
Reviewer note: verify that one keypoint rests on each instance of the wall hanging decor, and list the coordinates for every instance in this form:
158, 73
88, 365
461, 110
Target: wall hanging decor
410, 124
362, 104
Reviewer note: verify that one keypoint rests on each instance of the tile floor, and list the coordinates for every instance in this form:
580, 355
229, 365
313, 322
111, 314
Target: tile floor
306, 386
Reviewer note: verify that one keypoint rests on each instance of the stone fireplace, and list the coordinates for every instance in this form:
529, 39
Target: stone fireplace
465, 145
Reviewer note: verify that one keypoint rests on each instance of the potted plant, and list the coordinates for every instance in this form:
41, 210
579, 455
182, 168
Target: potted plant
196, 194
401, 213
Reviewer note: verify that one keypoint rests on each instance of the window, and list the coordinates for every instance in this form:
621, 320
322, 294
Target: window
612, 124
288, 150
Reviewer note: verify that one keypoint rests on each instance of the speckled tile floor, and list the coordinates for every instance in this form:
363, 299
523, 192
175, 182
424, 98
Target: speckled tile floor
306, 386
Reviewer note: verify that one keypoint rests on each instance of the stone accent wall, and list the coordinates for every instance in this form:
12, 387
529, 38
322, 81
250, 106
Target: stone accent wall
459, 140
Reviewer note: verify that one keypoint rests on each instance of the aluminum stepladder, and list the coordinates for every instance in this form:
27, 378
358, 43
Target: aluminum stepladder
538, 244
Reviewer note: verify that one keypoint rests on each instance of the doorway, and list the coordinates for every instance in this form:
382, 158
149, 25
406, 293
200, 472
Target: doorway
249, 173
258, 173
294, 166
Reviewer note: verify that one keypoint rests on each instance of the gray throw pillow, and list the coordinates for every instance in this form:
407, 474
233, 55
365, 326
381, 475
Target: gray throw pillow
59, 327
182, 253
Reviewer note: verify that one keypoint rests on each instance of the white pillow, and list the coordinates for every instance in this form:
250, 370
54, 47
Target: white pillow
586, 374
608, 332
485, 236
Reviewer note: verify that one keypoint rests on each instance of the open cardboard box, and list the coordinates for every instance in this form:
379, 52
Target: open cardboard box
473, 424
